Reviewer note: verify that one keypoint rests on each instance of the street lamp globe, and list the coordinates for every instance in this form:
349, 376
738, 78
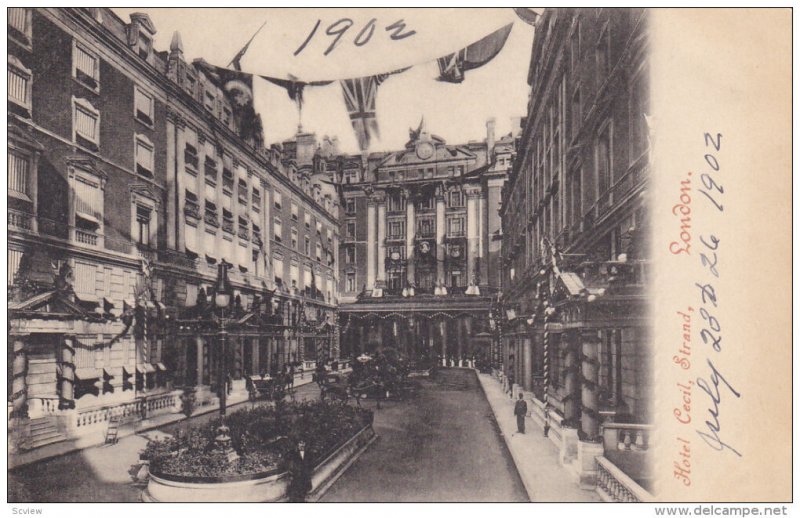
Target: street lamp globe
222, 293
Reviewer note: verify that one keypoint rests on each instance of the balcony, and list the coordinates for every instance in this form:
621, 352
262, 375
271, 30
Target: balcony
190, 158
211, 170
227, 225
146, 252
18, 220
85, 237
211, 219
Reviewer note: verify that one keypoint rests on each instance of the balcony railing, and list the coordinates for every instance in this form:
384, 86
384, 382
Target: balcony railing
85, 237
20, 220
190, 159
227, 225
192, 209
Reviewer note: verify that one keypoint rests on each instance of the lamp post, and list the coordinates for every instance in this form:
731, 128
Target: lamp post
222, 300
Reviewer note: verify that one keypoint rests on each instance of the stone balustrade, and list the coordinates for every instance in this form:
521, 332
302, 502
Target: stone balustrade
613, 485
42, 407
626, 437
149, 406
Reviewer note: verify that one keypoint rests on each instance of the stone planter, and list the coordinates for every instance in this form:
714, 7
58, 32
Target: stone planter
270, 486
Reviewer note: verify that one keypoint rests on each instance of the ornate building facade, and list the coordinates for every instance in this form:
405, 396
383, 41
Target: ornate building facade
132, 175
575, 261
420, 246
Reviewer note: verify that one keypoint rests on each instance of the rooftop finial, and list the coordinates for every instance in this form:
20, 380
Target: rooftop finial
176, 45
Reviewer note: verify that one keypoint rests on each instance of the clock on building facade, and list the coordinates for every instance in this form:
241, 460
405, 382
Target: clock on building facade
424, 150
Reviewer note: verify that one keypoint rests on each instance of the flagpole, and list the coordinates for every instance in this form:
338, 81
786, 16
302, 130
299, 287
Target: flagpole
239, 55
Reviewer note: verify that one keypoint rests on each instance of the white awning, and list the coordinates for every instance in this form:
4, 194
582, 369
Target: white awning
87, 373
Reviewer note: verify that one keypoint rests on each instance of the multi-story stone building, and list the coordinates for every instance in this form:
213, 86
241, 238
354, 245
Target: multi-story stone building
420, 245
574, 216
132, 175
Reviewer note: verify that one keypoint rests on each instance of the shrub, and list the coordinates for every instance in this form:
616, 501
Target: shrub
261, 436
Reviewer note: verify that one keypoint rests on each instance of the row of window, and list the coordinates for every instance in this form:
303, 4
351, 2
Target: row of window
426, 227
396, 279
309, 279
277, 229
397, 203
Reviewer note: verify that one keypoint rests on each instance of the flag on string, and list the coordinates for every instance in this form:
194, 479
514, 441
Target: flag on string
238, 88
359, 97
453, 66
294, 87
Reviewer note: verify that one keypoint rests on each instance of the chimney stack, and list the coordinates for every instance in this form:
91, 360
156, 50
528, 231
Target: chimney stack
490, 137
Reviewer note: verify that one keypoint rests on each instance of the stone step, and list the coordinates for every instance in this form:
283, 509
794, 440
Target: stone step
42, 423
38, 442
43, 430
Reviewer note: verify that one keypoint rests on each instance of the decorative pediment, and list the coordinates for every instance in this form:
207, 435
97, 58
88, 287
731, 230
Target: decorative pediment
143, 20
145, 191
20, 137
86, 163
51, 304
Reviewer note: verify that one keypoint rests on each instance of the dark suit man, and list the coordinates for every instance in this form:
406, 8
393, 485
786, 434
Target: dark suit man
520, 410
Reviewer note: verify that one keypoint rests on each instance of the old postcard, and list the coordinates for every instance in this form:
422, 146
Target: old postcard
399, 255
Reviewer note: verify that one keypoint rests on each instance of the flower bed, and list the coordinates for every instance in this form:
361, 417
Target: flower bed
264, 439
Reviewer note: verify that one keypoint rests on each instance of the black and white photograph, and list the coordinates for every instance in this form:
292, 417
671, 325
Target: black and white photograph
348, 255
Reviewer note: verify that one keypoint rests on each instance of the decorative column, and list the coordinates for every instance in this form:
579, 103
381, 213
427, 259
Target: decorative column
572, 385
200, 352
371, 238
380, 282
527, 363
180, 187
472, 239
443, 329
67, 399
255, 350
410, 225
19, 383
440, 230
590, 423
172, 174
483, 239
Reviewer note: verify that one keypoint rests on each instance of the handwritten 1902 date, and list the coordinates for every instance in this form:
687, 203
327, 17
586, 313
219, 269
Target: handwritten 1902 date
711, 331
337, 30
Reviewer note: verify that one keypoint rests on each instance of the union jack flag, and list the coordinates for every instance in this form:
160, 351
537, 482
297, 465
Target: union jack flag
359, 97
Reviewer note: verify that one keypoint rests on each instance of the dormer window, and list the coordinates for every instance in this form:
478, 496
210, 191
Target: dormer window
85, 67
143, 46
209, 100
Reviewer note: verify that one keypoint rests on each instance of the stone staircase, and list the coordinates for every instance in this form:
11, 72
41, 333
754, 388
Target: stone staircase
44, 431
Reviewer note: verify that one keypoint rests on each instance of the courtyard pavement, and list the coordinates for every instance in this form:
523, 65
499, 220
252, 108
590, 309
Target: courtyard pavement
535, 456
441, 446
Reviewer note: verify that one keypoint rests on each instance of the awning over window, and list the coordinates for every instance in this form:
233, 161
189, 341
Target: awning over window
145, 368
113, 372
160, 366
87, 373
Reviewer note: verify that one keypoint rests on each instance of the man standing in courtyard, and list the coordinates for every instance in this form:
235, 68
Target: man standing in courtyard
521, 410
